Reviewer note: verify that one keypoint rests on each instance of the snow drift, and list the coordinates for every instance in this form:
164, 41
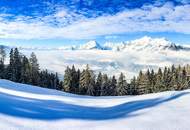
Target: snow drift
33, 108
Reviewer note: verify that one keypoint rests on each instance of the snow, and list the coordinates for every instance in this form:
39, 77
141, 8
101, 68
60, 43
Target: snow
33, 108
90, 45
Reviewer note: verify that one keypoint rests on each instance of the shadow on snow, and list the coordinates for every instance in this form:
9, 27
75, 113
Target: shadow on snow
54, 110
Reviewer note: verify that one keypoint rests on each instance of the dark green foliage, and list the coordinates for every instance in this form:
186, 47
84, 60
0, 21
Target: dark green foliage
121, 86
87, 82
98, 84
23, 70
113, 87
34, 69
2, 60
105, 85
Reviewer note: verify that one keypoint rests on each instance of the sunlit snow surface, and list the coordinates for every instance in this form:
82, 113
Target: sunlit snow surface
25, 107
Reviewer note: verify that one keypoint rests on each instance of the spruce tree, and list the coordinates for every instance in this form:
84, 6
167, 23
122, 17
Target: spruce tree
141, 84
25, 71
113, 87
67, 82
98, 84
85, 86
105, 84
121, 86
159, 81
91, 87
2, 60
35, 69
133, 87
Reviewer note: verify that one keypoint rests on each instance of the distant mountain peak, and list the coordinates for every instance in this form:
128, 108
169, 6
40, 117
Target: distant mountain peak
91, 45
154, 44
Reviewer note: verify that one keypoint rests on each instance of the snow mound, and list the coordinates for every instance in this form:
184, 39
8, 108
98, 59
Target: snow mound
33, 108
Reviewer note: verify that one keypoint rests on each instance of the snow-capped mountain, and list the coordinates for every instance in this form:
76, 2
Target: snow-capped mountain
142, 44
153, 44
90, 46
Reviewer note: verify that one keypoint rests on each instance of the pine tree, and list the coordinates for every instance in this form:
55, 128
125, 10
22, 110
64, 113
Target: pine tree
105, 84
183, 80
91, 88
16, 66
159, 81
67, 83
75, 80
141, 84
25, 71
133, 87
152, 81
113, 87
9, 72
121, 86
35, 69
85, 84
98, 84
147, 82
2, 60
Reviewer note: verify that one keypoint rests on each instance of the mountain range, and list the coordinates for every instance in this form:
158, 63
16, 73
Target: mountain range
144, 43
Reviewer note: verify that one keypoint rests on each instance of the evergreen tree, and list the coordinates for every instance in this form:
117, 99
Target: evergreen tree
113, 87
17, 65
25, 71
132, 87
121, 86
141, 84
2, 60
35, 69
152, 81
159, 81
147, 82
85, 84
183, 80
104, 86
98, 84
75, 80
91, 88
67, 83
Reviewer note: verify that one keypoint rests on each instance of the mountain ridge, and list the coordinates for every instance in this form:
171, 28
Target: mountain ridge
145, 43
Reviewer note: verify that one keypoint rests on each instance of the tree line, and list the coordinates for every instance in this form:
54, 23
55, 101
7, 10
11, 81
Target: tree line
26, 70
85, 82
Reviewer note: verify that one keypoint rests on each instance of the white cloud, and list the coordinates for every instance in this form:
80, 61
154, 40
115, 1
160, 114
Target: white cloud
76, 26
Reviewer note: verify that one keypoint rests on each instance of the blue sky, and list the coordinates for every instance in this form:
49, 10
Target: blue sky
59, 22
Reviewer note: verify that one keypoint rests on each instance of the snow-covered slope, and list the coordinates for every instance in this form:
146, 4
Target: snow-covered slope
25, 107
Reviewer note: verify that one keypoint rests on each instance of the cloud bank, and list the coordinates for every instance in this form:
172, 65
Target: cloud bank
67, 24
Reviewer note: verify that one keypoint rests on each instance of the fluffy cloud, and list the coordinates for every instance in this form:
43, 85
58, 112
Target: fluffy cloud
66, 24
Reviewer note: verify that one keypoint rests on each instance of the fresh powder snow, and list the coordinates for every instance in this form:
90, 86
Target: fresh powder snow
26, 107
